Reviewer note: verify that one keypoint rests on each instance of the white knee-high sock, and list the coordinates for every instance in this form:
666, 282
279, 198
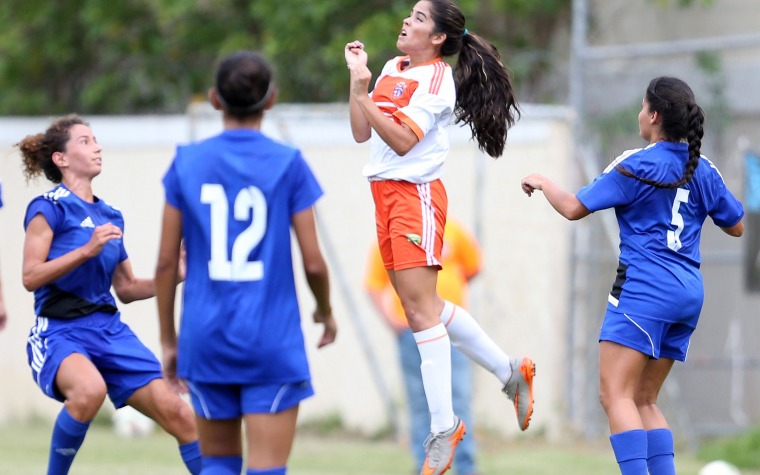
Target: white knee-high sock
435, 352
468, 337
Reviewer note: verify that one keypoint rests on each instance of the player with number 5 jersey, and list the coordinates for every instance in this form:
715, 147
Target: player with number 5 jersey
233, 199
662, 194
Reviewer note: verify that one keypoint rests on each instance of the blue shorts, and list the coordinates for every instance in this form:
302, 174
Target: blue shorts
125, 363
230, 401
654, 338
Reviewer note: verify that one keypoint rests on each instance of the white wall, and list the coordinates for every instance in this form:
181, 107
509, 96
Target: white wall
520, 298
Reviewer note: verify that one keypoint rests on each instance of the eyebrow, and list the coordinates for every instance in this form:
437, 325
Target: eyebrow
418, 12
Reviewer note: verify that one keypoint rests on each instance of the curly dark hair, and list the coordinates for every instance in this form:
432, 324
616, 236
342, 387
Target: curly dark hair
37, 150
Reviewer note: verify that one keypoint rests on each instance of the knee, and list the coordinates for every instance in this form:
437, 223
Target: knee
85, 399
178, 419
605, 399
645, 399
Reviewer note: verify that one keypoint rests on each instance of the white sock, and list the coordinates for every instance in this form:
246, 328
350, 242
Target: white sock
435, 351
468, 337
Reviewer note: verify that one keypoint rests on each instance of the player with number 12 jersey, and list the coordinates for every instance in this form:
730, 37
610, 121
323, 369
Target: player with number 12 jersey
237, 192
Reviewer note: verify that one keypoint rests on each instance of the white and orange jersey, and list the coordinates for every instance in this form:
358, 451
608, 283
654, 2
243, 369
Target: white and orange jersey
423, 99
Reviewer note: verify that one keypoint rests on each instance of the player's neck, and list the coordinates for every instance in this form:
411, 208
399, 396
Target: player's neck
80, 187
232, 123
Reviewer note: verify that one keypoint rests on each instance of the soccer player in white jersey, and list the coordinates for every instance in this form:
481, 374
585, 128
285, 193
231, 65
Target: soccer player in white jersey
79, 349
662, 195
414, 99
233, 199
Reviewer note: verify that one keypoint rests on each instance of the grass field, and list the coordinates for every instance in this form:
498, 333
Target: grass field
23, 450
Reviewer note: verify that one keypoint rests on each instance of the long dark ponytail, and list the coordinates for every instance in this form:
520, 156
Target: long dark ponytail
485, 96
682, 119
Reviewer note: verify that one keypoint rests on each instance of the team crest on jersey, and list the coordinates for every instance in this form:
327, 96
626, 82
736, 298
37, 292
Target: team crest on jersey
399, 89
414, 239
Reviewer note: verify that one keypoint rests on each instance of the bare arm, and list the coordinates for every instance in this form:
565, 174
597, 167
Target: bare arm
38, 271
316, 272
360, 128
129, 288
364, 113
166, 287
736, 230
565, 203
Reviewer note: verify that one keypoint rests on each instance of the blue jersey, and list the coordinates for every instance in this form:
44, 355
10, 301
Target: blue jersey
660, 229
237, 193
87, 288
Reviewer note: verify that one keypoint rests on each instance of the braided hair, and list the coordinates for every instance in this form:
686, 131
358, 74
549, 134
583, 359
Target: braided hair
485, 96
682, 119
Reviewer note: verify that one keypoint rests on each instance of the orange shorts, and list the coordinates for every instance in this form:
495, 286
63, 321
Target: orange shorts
410, 219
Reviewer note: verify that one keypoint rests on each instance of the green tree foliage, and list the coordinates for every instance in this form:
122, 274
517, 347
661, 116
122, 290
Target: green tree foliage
154, 56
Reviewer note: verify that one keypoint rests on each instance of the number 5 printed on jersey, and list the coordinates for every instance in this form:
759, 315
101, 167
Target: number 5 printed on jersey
674, 237
235, 267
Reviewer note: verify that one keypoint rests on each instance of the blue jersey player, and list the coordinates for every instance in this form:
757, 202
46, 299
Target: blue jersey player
79, 350
662, 194
233, 199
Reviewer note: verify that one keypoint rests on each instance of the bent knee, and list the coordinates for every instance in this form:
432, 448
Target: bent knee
85, 399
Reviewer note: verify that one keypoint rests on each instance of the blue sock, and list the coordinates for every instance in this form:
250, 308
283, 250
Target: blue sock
68, 435
222, 465
660, 452
267, 471
630, 449
191, 455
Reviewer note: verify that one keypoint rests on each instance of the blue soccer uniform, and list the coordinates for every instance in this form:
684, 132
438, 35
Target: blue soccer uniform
240, 326
76, 313
658, 276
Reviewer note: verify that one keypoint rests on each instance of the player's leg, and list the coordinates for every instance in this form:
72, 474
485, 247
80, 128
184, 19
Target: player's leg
419, 417
411, 219
514, 374
270, 412
660, 446
270, 440
60, 366
84, 391
674, 344
222, 444
620, 370
133, 375
159, 402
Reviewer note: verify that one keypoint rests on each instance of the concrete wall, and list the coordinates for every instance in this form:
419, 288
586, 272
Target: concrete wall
519, 299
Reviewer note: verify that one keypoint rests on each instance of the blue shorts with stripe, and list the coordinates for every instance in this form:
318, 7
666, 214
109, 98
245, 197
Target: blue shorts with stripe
230, 401
655, 338
123, 361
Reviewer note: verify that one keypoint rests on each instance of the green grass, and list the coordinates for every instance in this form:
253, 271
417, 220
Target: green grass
23, 449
